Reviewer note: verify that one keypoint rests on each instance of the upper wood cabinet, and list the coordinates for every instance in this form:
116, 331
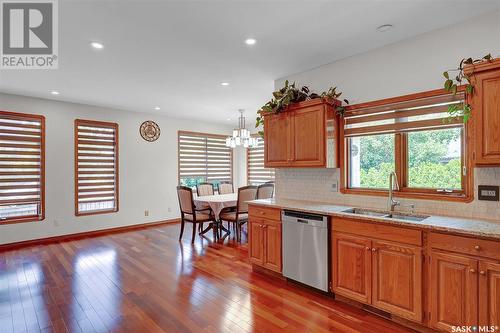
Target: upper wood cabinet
298, 136
485, 104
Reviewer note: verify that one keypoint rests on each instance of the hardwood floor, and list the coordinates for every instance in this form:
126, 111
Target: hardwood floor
148, 281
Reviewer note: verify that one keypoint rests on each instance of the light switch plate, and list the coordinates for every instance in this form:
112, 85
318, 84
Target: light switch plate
488, 193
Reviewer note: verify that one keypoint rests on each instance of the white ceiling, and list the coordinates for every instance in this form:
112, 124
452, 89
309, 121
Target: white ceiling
175, 54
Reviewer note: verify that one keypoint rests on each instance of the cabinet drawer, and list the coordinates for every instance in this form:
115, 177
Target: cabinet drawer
264, 212
377, 230
466, 245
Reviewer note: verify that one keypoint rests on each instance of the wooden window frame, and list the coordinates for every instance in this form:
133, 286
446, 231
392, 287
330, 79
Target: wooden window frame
201, 134
84, 122
401, 156
40, 217
248, 163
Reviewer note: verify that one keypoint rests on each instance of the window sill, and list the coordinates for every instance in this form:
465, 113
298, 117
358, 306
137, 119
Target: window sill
453, 197
22, 220
96, 212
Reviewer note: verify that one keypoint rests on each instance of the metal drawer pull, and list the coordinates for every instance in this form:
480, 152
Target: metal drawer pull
482, 272
374, 249
477, 248
472, 270
367, 248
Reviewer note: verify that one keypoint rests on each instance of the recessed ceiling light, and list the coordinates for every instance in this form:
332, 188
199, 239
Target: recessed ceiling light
53, 92
97, 45
157, 108
385, 27
228, 119
225, 84
250, 41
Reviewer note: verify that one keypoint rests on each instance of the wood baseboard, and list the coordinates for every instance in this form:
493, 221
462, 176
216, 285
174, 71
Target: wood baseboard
79, 235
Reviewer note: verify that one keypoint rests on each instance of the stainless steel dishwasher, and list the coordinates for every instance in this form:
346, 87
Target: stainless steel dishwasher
305, 248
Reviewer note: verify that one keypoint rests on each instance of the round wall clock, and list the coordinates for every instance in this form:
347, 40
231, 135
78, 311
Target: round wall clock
150, 131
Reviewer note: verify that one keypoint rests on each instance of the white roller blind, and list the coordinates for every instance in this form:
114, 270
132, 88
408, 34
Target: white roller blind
96, 167
21, 166
256, 172
203, 158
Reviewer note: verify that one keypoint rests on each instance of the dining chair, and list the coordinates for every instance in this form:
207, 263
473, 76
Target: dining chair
203, 189
239, 215
226, 188
265, 191
189, 213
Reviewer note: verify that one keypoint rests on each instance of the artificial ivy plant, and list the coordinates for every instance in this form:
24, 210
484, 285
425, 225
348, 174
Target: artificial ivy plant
451, 85
290, 94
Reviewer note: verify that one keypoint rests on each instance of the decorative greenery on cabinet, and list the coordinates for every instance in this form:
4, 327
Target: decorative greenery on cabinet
451, 84
290, 94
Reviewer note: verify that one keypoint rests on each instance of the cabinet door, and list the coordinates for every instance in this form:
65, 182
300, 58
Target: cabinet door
277, 140
397, 279
272, 246
256, 242
351, 266
489, 293
453, 291
486, 113
309, 142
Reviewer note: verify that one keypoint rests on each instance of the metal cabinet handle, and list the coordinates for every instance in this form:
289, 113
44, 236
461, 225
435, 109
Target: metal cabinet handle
482, 272
477, 247
472, 270
367, 248
374, 249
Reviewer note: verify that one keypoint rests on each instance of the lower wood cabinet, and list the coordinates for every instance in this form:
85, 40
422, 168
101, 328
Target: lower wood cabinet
463, 291
489, 293
387, 275
264, 238
352, 266
397, 279
453, 291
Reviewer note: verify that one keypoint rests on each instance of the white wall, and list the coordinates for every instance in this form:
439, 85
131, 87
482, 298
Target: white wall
148, 171
410, 66
406, 67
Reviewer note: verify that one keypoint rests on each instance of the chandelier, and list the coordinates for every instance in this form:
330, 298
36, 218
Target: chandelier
241, 136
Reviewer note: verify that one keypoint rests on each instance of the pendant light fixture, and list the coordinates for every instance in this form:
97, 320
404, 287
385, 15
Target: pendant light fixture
241, 136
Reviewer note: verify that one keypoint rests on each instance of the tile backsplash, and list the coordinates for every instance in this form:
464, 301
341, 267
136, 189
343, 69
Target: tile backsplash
317, 184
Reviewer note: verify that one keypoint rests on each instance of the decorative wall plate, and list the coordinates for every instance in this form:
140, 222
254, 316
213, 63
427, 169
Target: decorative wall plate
150, 131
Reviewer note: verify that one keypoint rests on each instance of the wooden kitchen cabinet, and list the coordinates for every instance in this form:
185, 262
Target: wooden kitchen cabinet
309, 145
464, 281
382, 271
453, 291
278, 140
485, 104
256, 242
272, 245
397, 279
489, 293
351, 263
297, 137
264, 237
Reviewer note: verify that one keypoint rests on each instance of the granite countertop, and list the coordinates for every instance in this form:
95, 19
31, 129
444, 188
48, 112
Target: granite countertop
463, 226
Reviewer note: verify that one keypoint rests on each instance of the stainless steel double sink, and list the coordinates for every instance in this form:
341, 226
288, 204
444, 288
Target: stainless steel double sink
387, 215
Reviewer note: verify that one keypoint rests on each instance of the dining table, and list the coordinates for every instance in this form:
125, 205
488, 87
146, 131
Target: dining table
216, 202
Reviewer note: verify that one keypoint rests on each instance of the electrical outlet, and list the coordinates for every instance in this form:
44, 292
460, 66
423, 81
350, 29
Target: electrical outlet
146, 212
335, 187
